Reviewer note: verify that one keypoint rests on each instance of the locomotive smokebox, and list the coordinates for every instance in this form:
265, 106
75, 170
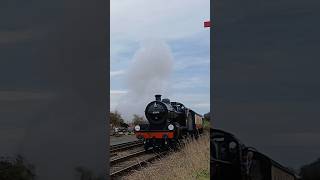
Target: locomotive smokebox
158, 97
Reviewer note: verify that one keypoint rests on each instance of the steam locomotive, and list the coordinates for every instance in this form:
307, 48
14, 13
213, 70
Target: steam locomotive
231, 159
168, 122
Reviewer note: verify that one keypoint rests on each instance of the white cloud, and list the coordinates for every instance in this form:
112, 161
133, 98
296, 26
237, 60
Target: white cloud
115, 98
180, 84
198, 102
163, 19
202, 105
117, 92
191, 63
117, 73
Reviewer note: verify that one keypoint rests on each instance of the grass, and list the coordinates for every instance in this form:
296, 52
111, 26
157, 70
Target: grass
206, 125
192, 162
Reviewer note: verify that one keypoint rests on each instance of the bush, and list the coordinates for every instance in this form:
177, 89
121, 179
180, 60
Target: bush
16, 168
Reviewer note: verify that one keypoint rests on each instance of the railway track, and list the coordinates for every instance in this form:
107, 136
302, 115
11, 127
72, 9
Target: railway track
122, 165
132, 160
125, 146
124, 158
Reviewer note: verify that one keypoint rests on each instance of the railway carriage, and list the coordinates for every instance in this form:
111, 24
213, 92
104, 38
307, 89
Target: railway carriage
264, 168
168, 122
231, 159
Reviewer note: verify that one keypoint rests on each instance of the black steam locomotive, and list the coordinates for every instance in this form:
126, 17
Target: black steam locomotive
231, 159
168, 122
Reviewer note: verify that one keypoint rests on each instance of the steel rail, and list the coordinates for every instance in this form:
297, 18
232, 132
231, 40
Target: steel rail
124, 158
135, 165
124, 146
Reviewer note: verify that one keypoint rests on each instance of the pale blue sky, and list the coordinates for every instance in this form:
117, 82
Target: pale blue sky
178, 23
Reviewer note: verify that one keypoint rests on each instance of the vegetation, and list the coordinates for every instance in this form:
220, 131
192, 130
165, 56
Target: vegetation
116, 119
192, 162
138, 119
206, 123
207, 116
311, 171
16, 168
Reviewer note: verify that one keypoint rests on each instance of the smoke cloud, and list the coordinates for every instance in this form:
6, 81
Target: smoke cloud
148, 74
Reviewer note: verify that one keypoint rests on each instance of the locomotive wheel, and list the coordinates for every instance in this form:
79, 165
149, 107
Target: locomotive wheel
174, 145
147, 147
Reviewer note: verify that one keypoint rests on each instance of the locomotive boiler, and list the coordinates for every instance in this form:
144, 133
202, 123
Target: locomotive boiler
168, 122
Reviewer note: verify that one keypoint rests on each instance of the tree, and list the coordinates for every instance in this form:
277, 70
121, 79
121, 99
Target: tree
138, 119
207, 116
116, 119
16, 168
125, 125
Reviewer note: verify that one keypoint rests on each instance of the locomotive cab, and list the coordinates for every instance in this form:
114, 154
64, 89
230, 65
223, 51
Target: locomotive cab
226, 156
230, 159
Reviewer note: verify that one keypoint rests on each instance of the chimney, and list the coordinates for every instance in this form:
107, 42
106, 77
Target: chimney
158, 97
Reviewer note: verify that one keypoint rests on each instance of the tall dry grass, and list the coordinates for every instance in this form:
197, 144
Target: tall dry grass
192, 162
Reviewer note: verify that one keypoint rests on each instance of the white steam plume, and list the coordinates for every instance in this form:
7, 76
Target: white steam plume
148, 75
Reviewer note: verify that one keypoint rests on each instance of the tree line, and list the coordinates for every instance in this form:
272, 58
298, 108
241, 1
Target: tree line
116, 120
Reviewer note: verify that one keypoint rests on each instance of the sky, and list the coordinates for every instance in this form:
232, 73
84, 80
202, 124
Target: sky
175, 25
52, 90
266, 76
